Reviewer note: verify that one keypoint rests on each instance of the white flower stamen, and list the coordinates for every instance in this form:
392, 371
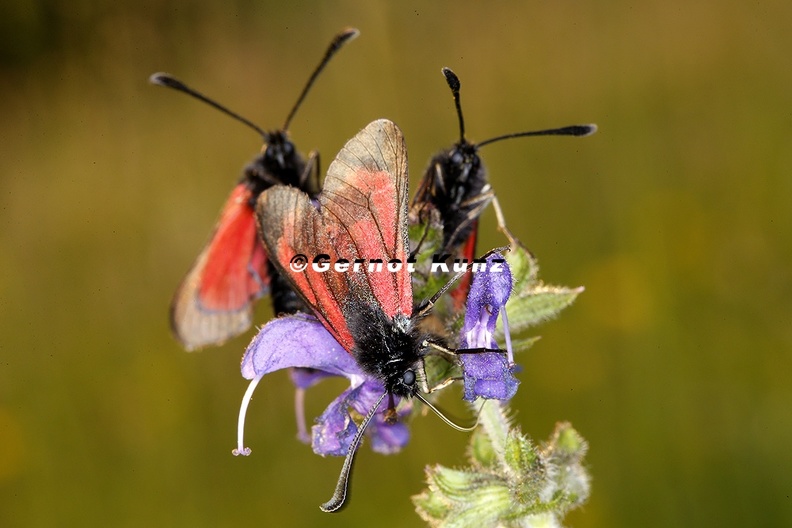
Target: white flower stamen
241, 449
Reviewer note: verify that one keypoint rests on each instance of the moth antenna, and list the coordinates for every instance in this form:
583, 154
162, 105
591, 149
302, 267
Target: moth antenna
455, 85
573, 130
164, 79
338, 41
240, 448
336, 502
445, 418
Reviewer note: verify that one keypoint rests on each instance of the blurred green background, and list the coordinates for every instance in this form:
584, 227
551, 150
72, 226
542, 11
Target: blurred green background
674, 364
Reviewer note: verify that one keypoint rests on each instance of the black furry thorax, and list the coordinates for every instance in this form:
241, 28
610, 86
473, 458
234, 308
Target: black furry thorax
388, 349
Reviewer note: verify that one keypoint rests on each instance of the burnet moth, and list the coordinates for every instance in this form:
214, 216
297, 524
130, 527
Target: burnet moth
455, 187
361, 215
215, 300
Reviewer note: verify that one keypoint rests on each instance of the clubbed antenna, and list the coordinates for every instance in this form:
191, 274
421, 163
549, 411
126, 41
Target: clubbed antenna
455, 85
573, 130
339, 40
163, 79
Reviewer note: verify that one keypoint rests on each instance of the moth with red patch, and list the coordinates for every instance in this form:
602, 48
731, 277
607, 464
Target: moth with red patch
455, 185
215, 300
361, 214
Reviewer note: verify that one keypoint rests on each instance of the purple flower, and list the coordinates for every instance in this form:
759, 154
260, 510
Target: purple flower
301, 341
487, 374
335, 428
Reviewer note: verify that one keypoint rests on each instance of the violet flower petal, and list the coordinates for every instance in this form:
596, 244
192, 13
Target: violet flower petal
297, 341
335, 429
370, 391
302, 341
488, 293
487, 374
305, 378
293, 341
387, 438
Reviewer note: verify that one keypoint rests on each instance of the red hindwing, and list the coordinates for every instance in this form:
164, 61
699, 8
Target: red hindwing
215, 300
460, 292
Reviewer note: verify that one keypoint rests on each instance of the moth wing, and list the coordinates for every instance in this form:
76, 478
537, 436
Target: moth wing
361, 215
365, 191
215, 300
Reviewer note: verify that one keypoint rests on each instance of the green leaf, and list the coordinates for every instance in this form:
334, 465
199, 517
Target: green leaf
484, 507
426, 234
523, 265
439, 369
481, 452
538, 303
519, 454
567, 443
511, 482
431, 505
518, 345
456, 485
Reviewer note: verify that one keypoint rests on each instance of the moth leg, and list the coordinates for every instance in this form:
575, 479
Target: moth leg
312, 165
480, 350
479, 203
445, 383
439, 183
423, 384
439, 350
425, 234
502, 222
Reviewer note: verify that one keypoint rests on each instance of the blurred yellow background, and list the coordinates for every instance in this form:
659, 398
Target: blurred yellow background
674, 364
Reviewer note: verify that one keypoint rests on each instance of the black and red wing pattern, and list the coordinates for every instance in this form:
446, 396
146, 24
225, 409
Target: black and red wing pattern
361, 214
215, 300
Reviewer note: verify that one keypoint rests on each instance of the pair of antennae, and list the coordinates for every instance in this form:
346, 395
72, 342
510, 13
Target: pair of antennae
164, 79
455, 85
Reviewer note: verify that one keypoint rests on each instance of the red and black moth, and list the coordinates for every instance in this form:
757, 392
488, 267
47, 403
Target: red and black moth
361, 214
215, 300
455, 186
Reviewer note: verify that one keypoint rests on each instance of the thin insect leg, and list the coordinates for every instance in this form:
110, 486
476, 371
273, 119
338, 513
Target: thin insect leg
311, 166
445, 383
439, 350
502, 222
